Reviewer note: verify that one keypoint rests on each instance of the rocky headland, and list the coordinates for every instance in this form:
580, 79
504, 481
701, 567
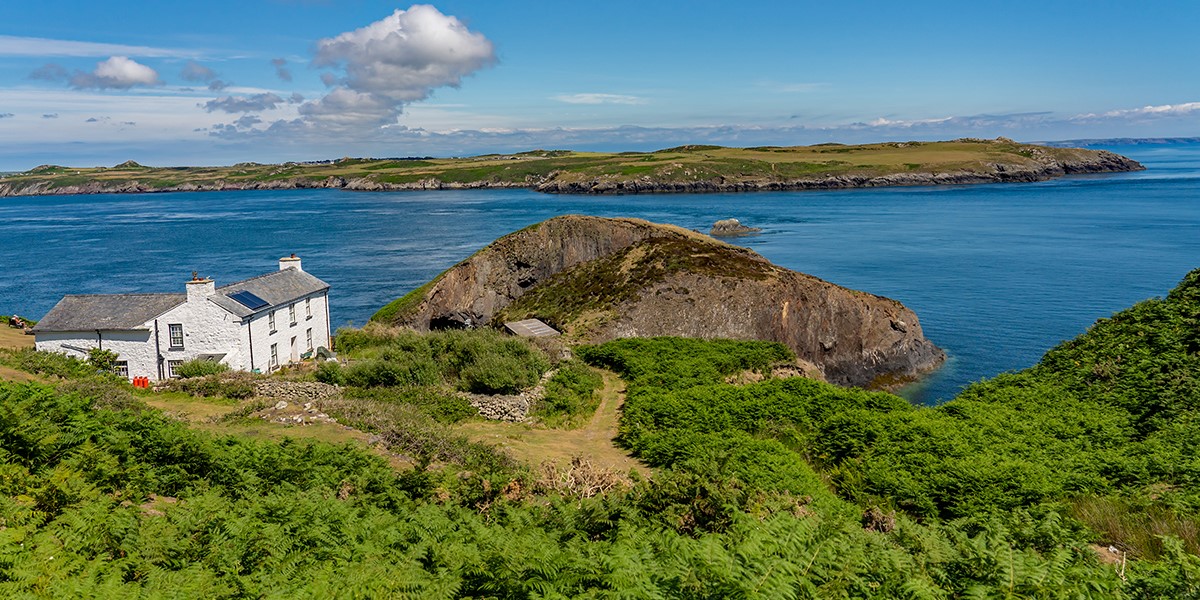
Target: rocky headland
598, 279
685, 169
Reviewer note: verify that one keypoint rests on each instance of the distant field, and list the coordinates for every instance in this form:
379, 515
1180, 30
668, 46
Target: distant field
559, 170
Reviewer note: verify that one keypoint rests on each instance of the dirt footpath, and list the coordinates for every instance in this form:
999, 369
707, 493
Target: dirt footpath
593, 441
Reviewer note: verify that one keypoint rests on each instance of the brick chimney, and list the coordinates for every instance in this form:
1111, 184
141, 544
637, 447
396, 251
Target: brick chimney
290, 261
200, 288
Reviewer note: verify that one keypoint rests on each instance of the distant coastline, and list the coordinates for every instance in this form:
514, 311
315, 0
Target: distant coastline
683, 169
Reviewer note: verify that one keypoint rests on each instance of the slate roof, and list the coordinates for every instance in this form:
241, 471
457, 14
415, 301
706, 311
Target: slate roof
107, 312
277, 288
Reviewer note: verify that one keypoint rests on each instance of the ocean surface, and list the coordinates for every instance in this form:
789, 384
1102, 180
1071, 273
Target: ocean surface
998, 274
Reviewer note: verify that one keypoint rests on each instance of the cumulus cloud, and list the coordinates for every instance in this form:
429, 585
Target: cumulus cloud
217, 85
194, 71
598, 99
393, 62
243, 104
281, 70
118, 72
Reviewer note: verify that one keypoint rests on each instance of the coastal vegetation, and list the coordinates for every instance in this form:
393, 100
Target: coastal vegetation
683, 168
1075, 478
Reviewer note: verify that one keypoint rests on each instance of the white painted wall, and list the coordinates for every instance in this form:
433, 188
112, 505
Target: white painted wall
285, 330
134, 347
207, 329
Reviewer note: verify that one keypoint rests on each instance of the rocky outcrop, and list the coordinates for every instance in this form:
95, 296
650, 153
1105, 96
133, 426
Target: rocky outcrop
599, 279
471, 292
731, 228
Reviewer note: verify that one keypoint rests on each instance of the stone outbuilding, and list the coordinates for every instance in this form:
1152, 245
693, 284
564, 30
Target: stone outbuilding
258, 324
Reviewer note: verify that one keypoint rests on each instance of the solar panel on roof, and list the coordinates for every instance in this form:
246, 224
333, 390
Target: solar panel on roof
249, 300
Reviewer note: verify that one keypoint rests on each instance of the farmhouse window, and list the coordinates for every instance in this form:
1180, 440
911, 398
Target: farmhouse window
274, 355
308, 334
122, 368
171, 366
271, 321
176, 331
292, 313
308, 308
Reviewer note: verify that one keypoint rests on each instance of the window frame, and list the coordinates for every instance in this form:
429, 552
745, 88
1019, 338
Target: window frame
271, 321
292, 313
308, 335
308, 308
171, 365
274, 356
122, 368
172, 329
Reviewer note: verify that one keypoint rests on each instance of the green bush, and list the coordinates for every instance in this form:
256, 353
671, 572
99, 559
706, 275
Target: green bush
498, 374
200, 368
571, 396
330, 372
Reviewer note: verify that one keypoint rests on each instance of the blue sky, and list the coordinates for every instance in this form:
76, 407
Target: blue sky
218, 82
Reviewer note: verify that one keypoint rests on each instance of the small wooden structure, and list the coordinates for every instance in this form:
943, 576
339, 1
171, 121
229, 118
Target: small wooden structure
531, 328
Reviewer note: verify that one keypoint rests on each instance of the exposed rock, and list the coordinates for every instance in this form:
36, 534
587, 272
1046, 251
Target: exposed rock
598, 279
731, 228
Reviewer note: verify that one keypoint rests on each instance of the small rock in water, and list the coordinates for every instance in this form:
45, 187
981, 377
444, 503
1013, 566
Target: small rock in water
731, 227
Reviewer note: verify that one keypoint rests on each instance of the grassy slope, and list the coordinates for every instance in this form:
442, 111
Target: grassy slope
683, 164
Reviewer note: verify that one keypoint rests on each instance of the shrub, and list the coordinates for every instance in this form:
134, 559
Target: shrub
330, 372
498, 374
570, 396
105, 361
200, 367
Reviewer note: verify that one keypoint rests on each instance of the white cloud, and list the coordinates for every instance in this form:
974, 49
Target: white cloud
1162, 110
13, 45
598, 99
393, 62
118, 72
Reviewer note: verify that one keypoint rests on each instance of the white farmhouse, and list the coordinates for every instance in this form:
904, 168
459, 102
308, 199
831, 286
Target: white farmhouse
252, 325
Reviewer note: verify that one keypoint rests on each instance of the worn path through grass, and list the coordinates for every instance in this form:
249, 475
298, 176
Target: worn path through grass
593, 442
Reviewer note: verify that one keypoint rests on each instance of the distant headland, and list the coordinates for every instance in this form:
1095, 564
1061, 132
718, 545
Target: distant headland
683, 169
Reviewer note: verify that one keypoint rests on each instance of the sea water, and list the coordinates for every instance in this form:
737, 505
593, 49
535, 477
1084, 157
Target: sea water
997, 274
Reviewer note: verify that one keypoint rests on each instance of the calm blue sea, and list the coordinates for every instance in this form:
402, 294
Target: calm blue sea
997, 274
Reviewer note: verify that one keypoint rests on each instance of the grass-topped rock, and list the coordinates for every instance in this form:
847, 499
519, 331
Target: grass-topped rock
598, 279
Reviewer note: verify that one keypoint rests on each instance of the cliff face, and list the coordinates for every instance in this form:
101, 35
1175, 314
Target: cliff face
599, 279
